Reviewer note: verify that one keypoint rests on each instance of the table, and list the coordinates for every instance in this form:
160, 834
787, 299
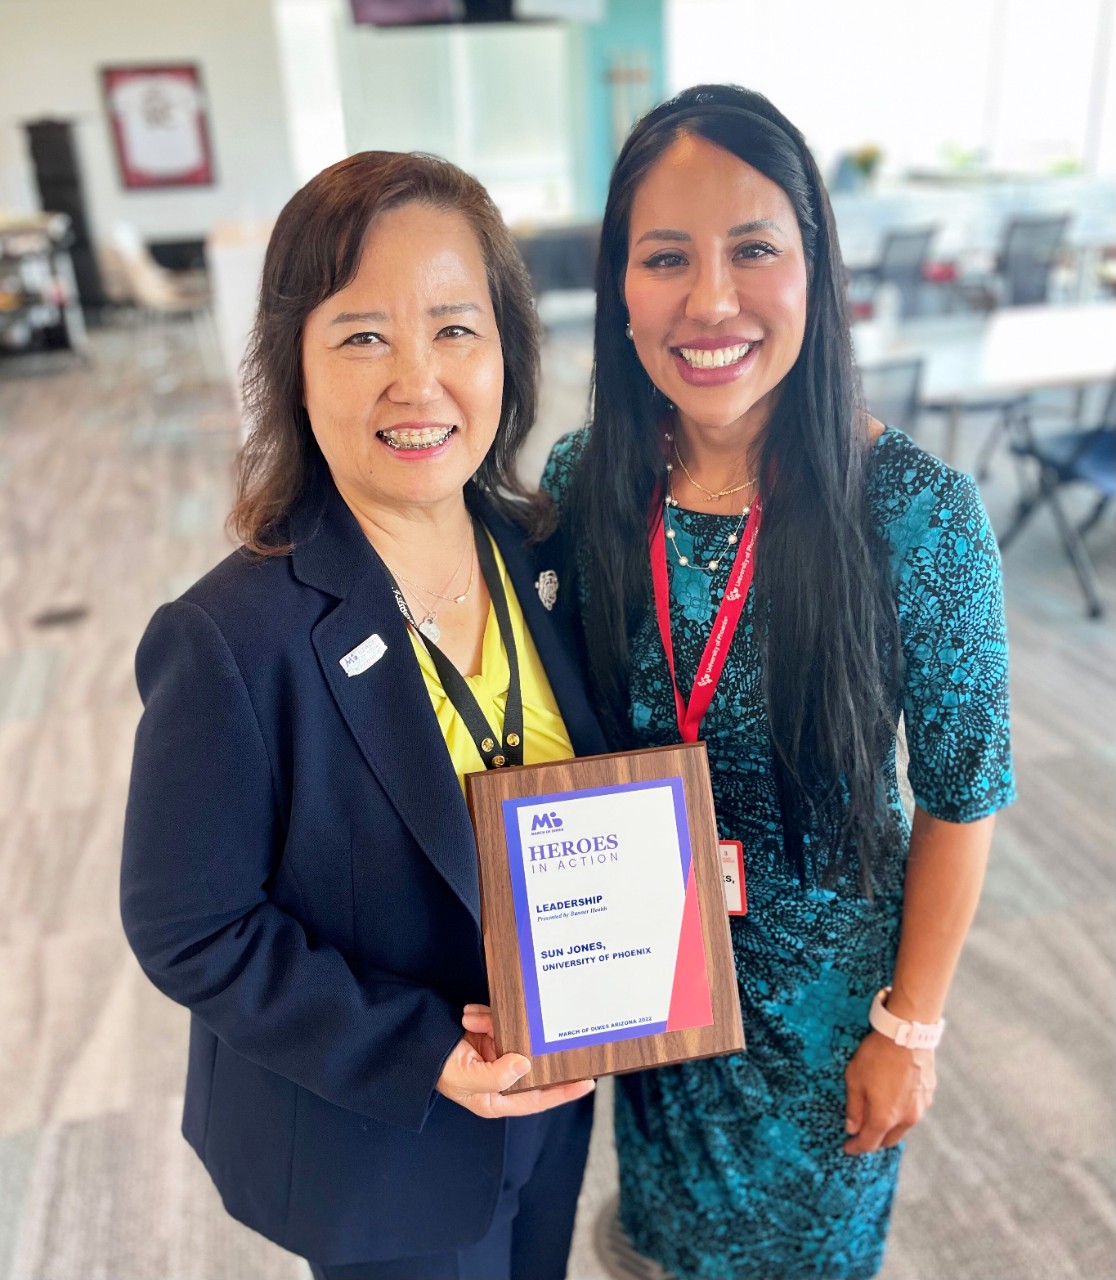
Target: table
972, 360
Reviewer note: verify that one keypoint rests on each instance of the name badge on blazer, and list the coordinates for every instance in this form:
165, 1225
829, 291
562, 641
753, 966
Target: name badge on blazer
365, 655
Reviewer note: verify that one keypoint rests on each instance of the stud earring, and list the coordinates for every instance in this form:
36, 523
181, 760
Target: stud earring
628, 331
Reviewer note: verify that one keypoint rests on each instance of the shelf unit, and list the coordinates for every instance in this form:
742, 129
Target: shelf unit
38, 292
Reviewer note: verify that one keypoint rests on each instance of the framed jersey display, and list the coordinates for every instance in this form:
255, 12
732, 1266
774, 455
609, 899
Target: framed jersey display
159, 125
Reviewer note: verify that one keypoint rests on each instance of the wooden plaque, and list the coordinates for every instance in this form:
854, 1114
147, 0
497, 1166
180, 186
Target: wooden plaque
605, 928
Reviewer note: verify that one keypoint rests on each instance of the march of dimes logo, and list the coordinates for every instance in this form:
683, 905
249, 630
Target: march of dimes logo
550, 846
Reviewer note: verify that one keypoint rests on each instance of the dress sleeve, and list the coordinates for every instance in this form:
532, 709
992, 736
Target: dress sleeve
951, 617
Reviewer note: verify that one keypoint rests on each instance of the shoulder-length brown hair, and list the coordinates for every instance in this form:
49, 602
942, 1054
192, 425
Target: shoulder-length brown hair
315, 251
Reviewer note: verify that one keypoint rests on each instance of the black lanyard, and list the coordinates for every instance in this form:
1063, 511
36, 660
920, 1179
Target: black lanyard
493, 752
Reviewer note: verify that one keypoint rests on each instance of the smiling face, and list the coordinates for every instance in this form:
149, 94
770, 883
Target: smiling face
715, 285
402, 368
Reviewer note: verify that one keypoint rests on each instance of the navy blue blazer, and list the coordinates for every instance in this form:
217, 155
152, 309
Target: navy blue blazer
300, 871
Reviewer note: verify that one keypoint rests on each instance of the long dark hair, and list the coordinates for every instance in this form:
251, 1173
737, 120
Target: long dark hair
830, 645
313, 252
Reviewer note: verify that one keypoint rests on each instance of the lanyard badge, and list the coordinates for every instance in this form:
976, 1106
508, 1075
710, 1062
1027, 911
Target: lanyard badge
495, 750
690, 714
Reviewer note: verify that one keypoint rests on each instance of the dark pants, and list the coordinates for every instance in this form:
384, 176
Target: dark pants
529, 1238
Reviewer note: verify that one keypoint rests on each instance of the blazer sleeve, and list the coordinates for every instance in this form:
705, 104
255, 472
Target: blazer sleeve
203, 835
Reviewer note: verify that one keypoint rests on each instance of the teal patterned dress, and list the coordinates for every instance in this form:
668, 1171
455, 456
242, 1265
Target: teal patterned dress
733, 1167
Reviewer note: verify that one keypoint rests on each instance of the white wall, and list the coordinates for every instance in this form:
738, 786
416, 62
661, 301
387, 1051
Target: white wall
51, 52
1011, 79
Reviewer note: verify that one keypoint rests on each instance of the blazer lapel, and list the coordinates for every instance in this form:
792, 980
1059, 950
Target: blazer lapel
385, 705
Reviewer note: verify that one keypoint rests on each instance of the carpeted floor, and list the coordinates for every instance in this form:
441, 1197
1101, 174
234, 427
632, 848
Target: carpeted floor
113, 486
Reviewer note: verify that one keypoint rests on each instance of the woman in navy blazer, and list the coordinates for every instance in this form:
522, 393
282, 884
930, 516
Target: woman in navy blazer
299, 866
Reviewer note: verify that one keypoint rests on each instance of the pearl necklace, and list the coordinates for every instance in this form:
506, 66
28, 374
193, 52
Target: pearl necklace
731, 539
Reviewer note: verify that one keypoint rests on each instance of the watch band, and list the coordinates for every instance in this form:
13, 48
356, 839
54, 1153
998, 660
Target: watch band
910, 1035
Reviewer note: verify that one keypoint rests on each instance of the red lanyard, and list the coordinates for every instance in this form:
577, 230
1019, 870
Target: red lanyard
724, 625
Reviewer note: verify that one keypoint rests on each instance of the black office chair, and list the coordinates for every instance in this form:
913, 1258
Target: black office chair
901, 262
1024, 265
1030, 251
891, 392
561, 257
1084, 455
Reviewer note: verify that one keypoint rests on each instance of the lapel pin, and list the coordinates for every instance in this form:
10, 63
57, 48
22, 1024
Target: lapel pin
365, 655
547, 587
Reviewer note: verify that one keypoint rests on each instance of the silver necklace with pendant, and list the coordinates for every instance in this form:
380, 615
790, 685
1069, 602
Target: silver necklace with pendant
428, 626
430, 629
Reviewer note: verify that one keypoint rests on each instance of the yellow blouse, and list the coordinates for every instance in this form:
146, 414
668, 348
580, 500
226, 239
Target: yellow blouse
544, 733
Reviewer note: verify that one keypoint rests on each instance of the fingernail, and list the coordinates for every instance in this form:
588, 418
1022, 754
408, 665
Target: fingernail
521, 1068
850, 1126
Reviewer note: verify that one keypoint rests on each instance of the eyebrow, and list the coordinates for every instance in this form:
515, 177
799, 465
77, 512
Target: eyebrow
378, 317
742, 229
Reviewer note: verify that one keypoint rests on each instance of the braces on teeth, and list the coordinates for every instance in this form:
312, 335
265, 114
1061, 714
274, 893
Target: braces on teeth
416, 439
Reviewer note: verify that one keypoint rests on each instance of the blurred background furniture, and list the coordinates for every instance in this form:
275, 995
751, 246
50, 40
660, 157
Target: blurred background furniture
1031, 250
973, 360
891, 392
1084, 455
1106, 271
53, 152
560, 258
1022, 272
902, 263
972, 215
161, 297
38, 291
562, 264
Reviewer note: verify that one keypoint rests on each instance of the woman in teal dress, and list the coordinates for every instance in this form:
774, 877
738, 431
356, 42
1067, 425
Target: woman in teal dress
727, 424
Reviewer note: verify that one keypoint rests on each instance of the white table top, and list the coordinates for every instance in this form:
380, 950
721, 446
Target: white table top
1011, 351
